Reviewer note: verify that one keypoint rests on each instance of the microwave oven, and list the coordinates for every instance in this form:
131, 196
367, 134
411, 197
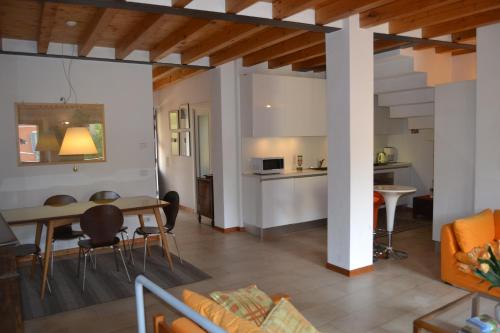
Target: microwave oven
268, 165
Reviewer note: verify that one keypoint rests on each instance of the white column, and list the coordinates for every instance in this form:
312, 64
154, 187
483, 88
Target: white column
225, 143
349, 58
487, 179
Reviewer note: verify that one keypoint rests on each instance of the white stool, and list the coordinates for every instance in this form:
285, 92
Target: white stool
391, 194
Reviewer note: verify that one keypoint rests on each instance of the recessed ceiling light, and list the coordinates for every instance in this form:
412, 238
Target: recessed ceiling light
268, 106
66, 123
71, 24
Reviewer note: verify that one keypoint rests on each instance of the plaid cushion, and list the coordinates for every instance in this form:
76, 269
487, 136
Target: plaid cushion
285, 318
248, 303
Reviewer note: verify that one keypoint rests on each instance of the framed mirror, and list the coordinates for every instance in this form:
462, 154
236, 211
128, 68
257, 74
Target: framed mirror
173, 117
42, 129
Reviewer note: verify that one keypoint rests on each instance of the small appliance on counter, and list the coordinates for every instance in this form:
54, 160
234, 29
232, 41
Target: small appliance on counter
381, 158
391, 154
268, 165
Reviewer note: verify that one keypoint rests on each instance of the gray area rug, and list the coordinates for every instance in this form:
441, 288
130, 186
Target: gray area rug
104, 284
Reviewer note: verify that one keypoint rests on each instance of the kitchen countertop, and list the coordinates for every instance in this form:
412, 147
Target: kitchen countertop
289, 174
395, 165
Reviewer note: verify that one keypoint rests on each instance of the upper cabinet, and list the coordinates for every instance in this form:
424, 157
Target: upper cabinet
280, 106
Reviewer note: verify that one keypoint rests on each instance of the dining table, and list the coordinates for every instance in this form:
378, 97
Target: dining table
55, 216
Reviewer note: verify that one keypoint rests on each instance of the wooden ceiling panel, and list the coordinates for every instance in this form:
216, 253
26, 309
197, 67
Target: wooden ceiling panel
135, 35
62, 33
336, 10
120, 25
464, 36
235, 6
286, 8
309, 64
94, 29
47, 22
302, 55
455, 10
460, 24
175, 75
20, 19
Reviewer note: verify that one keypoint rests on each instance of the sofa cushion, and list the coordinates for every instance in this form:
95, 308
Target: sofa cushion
474, 231
184, 325
285, 318
497, 224
249, 303
217, 314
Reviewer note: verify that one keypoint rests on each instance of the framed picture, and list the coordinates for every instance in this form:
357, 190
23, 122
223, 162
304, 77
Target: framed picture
185, 143
174, 143
173, 117
184, 116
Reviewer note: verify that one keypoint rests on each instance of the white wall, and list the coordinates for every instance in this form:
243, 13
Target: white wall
124, 89
455, 112
487, 179
178, 172
464, 67
437, 66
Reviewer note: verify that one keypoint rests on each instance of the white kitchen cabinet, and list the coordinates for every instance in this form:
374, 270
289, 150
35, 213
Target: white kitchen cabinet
281, 106
310, 198
277, 202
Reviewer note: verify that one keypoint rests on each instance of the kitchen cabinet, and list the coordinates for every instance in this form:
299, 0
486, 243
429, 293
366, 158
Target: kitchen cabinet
281, 106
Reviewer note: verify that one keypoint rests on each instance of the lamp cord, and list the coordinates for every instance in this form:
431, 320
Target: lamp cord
67, 76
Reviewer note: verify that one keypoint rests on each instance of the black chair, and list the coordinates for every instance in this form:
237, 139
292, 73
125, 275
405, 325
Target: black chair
24, 250
100, 224
171, 212
108, 197
64, 232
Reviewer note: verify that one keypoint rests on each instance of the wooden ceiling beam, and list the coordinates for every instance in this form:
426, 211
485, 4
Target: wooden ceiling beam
289, 46
442, 14
95, 27
236, 6
319, 69
46, 24
336, 10
162, 71
180, 3
386, 45
211, 44
286, 8
168, 44
133, 38
460, 52
175, 76
460, 24
302, 55
397, 9
307, 65
259, 41
462, 36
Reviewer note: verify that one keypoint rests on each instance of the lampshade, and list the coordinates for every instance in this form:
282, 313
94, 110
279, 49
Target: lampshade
47, 142
78, 141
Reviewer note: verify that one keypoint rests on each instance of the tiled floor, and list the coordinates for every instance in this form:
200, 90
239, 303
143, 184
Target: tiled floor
387, 300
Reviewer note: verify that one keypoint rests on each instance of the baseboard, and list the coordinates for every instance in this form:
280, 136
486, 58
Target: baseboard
348, 273
74, 250
228, 230
186, 209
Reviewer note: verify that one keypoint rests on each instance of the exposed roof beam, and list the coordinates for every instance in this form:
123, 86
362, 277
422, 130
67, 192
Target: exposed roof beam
387, 45
443, 14
285, 8
335, 10
229, 35
180, 3
283, 48
259, 41
460, 52
423, 41
46, 24
460, 24
305, 54
462, 36
309, 64
319, 69
236, 6
162, 71
397, 9
130, 42
175, 76
194, 13
168, 44
96, 26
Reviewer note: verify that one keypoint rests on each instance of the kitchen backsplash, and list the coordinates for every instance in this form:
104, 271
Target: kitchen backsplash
312, 149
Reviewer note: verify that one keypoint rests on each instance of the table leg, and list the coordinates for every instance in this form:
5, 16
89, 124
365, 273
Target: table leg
141, 221
46, 258
163, 237
38, 236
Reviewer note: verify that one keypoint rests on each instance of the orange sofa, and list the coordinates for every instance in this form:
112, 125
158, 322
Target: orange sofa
450, 246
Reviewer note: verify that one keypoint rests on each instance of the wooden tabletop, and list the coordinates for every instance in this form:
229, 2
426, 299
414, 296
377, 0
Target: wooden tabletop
45, 213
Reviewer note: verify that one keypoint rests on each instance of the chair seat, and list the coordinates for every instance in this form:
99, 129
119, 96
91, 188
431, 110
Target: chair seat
87, 243
26, 250
144, 231
67, 235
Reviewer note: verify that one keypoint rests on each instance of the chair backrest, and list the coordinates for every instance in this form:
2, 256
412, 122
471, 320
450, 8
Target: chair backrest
171, 210
104, 196
101, 223
61, 200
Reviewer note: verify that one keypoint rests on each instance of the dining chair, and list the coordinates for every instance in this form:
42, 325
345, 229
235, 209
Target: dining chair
101, 224
64, 232
24, 250
171, 211
108, 197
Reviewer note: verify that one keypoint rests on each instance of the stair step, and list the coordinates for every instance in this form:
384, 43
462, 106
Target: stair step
420, 122
393, 66
412, 110
404, 97
401, 82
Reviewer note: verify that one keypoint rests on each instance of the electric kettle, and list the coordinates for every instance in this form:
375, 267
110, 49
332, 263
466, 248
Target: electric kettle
381, 158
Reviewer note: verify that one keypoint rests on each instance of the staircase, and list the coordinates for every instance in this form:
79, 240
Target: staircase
404, 91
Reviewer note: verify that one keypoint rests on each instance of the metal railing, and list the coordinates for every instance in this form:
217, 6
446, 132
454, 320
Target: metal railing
142, 282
